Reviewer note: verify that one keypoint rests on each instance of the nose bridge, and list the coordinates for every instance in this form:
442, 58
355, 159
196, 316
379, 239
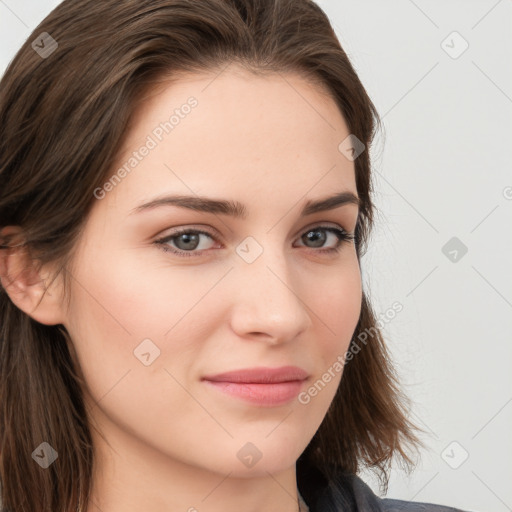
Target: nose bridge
268, 301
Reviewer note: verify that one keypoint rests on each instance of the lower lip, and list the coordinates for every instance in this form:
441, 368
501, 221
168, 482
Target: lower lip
277, 393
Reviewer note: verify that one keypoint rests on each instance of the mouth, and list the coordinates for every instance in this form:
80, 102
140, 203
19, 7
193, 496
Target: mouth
261, 386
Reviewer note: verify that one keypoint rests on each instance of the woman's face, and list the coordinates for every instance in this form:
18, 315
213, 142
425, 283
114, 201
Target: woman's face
253, 290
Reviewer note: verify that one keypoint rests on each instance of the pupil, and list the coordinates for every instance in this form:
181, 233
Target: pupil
317, 237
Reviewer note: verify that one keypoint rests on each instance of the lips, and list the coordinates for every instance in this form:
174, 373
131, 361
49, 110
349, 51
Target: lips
266, 387
260, 375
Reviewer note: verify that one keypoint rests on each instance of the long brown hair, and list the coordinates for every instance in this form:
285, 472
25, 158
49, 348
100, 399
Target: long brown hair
64, 111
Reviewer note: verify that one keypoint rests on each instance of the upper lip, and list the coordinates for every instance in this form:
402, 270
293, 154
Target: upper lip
261, 375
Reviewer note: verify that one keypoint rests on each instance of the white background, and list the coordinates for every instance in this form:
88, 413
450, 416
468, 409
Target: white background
442, 171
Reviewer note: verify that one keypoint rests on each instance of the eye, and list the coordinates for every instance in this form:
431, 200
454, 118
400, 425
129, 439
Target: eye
187, 241
318, 235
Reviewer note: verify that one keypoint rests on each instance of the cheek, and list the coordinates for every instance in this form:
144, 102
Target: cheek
337, 304
119, 300
127, 295
117, 307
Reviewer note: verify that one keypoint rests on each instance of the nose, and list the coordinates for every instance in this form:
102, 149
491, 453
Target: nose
267, 302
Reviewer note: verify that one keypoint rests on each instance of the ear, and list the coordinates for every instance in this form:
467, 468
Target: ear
26, 283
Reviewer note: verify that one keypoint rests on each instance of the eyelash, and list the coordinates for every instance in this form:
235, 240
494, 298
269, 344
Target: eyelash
342, 235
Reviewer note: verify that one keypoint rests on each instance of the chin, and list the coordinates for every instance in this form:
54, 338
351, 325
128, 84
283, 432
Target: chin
263, 455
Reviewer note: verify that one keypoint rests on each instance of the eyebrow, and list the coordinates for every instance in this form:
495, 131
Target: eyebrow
237, 209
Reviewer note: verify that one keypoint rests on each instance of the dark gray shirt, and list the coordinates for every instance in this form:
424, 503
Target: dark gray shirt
349, 493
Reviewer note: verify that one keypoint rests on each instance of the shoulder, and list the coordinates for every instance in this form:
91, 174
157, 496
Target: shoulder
392, 505
366, 497
349, 493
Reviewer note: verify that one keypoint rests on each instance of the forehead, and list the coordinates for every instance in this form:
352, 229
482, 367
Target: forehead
235, 133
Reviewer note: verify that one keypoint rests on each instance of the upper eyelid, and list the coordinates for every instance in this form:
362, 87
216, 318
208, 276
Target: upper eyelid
215, 234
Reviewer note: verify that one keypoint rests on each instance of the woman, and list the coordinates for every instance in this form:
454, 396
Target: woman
185, 199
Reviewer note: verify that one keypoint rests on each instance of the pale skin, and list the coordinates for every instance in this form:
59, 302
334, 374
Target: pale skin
270, 143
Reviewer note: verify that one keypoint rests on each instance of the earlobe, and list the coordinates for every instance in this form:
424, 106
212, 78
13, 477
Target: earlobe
27, 285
